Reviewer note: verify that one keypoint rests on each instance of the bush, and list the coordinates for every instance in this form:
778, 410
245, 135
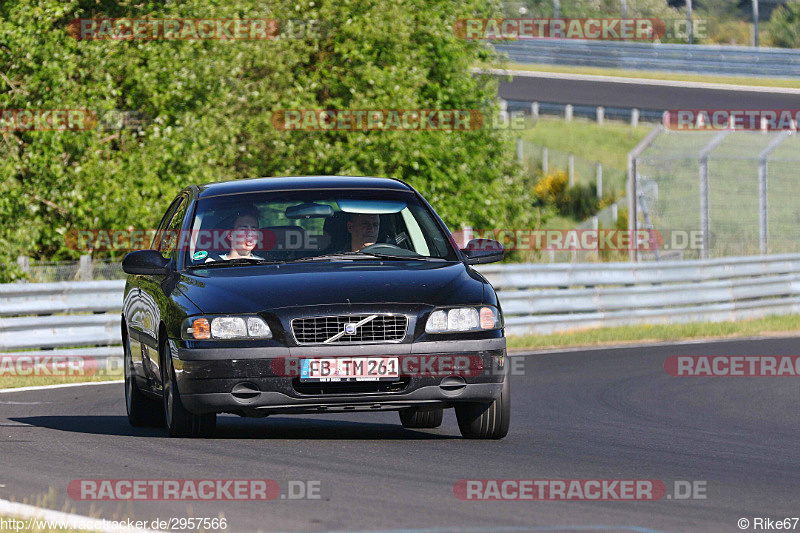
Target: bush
579, 201
783, 29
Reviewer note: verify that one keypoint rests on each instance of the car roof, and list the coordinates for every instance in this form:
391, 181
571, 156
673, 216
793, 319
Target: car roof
288, 183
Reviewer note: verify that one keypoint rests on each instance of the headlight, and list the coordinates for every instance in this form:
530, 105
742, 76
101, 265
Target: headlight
226, 327
459, 319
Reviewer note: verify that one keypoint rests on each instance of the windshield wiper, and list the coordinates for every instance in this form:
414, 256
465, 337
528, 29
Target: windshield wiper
365, 255
241, 261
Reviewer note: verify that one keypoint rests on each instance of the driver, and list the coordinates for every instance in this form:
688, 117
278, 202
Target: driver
363, 229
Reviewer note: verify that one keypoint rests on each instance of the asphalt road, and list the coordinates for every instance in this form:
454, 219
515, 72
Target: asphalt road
645, 94
604, 414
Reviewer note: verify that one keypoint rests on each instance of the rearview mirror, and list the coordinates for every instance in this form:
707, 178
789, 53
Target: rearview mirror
145, 263
309, 210
480, 251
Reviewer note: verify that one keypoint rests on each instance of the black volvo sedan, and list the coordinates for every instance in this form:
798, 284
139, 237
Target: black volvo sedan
311, 295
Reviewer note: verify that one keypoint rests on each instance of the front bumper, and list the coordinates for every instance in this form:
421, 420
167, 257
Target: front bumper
251, 382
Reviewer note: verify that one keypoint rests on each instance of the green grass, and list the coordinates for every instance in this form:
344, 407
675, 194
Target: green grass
655, 75
13, 382
609, 144
653, 333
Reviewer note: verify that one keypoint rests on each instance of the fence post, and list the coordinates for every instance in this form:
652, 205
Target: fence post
614, 213
571, 170
601, 114
634, 118
599, 179
519, 149
544, 161
24, 263
535, 110
705, 212
85, 268
763, 175
568, 112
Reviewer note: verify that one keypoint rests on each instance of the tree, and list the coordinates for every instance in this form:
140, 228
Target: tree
209, 105
783, 29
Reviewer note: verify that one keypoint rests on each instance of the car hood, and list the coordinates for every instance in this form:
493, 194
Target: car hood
252, 289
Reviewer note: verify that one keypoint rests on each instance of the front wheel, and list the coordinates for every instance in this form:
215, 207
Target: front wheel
142, 411
486, 420
422, 417
180, 422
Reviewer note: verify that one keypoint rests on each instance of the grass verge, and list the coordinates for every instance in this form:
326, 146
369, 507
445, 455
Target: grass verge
785, 83
771, 325
13, 382
609, 144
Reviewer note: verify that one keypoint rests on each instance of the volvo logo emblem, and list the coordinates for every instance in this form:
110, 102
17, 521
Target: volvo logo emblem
350, 328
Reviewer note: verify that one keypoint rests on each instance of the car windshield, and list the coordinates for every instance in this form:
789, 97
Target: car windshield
311, 225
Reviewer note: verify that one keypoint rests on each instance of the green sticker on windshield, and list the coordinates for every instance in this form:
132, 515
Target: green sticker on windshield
202, 254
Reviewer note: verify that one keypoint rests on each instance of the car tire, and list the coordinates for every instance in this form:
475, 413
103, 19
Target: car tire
422, 417
142, 411
486, 420
181, 422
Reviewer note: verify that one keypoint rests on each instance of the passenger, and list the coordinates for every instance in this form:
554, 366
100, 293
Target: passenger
243, 237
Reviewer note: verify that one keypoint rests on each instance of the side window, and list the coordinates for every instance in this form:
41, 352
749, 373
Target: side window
170, 235
156, 245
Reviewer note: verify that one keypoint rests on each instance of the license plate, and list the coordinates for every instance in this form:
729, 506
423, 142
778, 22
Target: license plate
349, 369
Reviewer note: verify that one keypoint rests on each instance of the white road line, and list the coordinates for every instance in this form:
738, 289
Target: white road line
73, 521
641, 81
62, 386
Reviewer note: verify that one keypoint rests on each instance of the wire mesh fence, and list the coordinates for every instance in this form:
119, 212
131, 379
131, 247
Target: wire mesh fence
735, 189
84, 270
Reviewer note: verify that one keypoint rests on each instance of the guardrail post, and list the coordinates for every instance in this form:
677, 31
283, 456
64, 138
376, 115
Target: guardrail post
535, 110
571, 170
599, 179
614, 213
568, 109
601, 114
544, 161
634, 118
85, 268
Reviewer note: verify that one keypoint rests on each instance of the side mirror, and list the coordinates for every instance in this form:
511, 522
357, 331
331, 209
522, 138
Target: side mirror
145, 263
479, 251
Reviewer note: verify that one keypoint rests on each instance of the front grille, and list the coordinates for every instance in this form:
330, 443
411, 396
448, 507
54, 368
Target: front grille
382, 328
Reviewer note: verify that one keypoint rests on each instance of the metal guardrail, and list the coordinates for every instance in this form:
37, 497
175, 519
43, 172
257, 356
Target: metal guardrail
80, 318
65, 318
698, 59
552, 298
